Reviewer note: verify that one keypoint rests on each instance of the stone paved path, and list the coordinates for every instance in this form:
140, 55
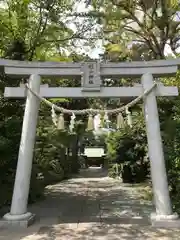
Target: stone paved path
91, 207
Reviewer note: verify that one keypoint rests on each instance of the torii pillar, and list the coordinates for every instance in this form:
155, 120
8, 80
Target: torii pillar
164, 215
18, 214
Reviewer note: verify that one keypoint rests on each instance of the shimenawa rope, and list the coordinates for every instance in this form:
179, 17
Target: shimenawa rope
90, 110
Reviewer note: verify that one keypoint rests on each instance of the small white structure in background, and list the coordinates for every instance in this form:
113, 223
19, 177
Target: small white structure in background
93, 152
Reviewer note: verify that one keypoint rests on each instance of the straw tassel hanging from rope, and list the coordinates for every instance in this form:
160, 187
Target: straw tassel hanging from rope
129, 118
120, 121
90, 124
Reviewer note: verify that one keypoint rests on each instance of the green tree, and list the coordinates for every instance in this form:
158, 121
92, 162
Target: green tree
149, 25
41, 28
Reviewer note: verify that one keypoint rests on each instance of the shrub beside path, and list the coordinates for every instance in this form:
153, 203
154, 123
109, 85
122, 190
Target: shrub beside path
93, 207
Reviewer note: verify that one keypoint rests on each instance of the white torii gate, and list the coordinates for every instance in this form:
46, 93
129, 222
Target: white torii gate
91, 75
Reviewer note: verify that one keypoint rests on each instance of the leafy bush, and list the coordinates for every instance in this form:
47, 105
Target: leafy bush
57, 152
90, 140
10, 128
171, 139
37, 185
128, 148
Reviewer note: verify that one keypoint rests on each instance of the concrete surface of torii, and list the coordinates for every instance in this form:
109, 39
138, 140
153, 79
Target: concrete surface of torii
91, 74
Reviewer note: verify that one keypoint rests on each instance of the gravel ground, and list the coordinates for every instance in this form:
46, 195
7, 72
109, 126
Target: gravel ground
91, 206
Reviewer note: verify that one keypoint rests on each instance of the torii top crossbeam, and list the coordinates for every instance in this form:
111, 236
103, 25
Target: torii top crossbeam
91, 74
126, 69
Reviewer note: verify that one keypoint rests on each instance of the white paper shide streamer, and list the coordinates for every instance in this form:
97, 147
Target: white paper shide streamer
54, 116
129, 118
72, 122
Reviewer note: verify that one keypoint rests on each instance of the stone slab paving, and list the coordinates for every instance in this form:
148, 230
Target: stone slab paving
93, 207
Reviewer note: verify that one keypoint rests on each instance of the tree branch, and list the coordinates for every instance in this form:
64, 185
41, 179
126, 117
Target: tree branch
38, 33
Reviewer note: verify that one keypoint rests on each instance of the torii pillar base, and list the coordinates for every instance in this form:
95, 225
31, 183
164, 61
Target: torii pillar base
165, 221
17, 221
